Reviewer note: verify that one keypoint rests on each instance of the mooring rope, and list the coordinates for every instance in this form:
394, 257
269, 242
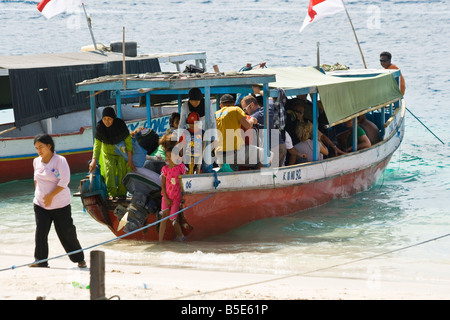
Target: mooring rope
111, 240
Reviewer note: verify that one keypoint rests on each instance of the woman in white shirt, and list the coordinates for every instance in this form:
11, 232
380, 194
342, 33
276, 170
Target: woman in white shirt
52, 202
305, 146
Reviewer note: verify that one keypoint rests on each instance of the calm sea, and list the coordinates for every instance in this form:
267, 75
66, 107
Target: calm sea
355, 237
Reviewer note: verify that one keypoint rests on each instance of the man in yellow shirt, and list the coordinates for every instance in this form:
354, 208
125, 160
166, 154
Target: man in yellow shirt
231, 148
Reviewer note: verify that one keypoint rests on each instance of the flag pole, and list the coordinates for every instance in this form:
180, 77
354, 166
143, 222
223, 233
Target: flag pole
354, 32
318, 55
88, 19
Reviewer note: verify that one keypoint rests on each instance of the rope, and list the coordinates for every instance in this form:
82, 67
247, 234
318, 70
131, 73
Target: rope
111, 240
425, 126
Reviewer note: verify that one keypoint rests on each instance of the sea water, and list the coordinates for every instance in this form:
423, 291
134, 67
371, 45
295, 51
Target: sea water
397, 230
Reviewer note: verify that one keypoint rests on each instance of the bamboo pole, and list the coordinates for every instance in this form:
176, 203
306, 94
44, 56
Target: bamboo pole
7, 130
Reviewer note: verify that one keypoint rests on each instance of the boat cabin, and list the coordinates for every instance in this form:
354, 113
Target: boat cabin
41, 86
372, 95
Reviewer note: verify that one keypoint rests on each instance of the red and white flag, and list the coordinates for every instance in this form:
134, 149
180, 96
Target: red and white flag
50, 8
319, 9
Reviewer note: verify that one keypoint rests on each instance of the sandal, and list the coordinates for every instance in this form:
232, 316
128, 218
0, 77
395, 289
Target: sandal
180, 239
82, 264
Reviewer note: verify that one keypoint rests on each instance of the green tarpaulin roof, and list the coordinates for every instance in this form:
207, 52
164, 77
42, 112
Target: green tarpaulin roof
341, 97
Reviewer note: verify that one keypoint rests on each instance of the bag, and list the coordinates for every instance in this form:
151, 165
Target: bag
279, 112
148, 139
190, 68
139, 153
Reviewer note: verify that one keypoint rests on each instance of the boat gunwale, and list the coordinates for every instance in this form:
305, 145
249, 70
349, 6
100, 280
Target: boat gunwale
303, 165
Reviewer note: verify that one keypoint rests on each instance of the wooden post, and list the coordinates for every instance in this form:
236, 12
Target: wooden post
97, 284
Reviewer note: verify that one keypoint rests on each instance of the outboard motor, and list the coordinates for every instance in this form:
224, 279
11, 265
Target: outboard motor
145, 187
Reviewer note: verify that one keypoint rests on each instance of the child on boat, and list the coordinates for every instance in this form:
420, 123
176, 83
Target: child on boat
171, 189
193, 144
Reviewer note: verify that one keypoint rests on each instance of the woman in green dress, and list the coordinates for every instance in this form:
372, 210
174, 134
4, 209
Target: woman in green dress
109, 132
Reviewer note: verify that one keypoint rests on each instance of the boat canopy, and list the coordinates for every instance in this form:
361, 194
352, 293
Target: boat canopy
175, 84
344, 95
41, 86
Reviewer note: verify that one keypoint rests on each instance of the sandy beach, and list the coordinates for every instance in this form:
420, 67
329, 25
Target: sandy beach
64, 281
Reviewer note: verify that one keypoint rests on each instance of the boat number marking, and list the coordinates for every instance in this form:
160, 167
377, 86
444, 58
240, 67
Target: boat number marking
292, 175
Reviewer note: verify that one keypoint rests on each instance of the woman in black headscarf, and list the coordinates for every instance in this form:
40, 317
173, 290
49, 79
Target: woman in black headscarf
195, 103
109, 132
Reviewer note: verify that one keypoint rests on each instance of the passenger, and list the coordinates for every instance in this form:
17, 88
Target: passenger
294, 118
292, 152
145, 145
231, 148
346, 138
307, 113
171, 193
254, 108
167, 141
370, 128
305, 146
277, 121
174, 120
385, 61
328, 134
333, 149
146, 138
196, 103
109, 132
193, 144
52, 202
159, 155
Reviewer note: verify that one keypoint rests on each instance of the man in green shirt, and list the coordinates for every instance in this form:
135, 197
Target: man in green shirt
362, 139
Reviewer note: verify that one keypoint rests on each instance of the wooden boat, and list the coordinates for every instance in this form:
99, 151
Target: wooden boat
40, 90
218, 202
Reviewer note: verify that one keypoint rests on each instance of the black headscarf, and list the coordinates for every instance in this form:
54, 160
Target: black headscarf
196, 94
117, 132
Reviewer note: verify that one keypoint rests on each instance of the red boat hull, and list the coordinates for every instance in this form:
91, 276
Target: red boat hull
225, 211
229, 210
19, 169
